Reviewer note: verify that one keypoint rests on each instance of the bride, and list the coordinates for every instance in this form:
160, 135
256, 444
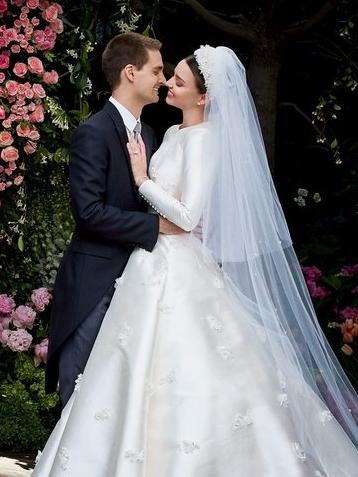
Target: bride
210, 361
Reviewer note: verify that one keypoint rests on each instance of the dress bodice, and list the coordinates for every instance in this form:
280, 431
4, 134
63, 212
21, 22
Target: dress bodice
175, 188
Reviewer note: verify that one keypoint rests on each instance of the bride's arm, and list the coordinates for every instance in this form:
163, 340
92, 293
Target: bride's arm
186, 212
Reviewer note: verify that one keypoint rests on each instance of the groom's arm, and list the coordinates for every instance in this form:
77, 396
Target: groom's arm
88, 171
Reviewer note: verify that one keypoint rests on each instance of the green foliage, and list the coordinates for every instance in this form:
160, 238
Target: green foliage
26, 411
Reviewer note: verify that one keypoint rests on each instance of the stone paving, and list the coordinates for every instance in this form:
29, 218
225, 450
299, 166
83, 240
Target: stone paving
15, 465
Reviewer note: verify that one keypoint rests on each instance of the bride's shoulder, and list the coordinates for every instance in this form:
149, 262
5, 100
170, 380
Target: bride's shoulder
170, 131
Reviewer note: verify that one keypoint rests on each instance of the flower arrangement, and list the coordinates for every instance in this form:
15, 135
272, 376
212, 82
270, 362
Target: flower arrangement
336, 299
17, 321
29, 30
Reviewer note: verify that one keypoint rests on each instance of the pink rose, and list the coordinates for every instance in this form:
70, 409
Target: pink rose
19, 340
7, 304
15, 48
6, 123
4, 61
24, 44
37, 116
41, 298
30, 49
59, 8
23, 130
29, 93
40, 351
12, 166
44, 4
32, 4
50, 77
2, 186
18, 180
2, 77
38, 90
347, 338
9, 153
20, 69
30, 147
35, 65
18, 3
10, 34
23, 317
12, 87
2, 112
8, 172
3, 6
35, 21
347, 350
57, 26
6, 138
50, 14
34, 135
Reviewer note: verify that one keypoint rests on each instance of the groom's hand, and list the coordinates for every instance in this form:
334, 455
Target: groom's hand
168, 228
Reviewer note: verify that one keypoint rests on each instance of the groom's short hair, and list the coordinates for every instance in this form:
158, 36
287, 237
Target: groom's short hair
124, 49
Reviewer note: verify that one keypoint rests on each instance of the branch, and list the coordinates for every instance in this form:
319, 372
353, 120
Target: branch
309, 23
269, 9
243, 29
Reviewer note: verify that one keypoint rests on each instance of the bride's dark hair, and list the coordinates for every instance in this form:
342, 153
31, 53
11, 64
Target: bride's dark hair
199, 78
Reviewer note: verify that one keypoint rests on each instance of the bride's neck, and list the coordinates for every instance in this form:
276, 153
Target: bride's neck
192, 117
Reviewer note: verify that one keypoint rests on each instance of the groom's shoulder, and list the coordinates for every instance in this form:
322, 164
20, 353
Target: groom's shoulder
98, 123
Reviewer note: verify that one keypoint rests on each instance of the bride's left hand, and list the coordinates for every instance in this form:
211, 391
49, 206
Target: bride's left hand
138, 158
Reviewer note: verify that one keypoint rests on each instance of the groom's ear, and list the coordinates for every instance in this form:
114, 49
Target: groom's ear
128, 72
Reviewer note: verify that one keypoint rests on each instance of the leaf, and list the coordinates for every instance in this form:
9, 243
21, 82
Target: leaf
20, 243
334, 143
333, 281
337, 107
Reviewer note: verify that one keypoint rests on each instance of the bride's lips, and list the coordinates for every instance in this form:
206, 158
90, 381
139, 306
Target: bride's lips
170, 94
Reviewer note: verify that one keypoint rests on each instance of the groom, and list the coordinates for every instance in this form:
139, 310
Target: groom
111, 218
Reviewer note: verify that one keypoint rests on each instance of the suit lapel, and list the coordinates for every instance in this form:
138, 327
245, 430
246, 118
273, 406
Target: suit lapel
112, 111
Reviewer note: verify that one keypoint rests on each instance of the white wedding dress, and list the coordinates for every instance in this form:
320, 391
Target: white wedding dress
180, 383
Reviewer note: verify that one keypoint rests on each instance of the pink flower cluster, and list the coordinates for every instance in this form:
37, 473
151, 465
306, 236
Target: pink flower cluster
40, 352
32, 30
40, 298
349, 270
312, 275
16, 320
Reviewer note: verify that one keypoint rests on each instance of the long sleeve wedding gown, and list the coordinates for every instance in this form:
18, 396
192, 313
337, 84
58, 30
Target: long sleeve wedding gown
180, 383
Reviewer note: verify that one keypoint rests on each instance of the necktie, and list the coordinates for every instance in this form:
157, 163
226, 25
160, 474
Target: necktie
137, 130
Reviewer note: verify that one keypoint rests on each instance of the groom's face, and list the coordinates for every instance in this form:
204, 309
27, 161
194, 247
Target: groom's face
149, 78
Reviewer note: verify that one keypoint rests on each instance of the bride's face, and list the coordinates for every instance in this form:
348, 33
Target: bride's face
183, 92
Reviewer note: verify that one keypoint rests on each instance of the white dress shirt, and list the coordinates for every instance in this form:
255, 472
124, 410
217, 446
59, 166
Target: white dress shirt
129, 120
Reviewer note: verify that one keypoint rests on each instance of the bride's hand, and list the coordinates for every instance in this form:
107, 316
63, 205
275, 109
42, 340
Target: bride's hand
138, 159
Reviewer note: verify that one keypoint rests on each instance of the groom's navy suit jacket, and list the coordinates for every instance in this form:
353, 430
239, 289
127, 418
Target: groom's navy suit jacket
111, 219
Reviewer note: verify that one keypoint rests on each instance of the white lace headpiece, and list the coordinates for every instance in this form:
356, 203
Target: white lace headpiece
205, 59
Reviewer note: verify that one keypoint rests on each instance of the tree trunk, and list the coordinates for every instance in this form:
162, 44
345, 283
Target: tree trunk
263, 75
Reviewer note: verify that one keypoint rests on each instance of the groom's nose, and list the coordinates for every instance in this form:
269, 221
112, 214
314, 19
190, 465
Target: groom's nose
162, 78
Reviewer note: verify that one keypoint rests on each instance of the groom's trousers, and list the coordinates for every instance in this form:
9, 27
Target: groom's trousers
77, 348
